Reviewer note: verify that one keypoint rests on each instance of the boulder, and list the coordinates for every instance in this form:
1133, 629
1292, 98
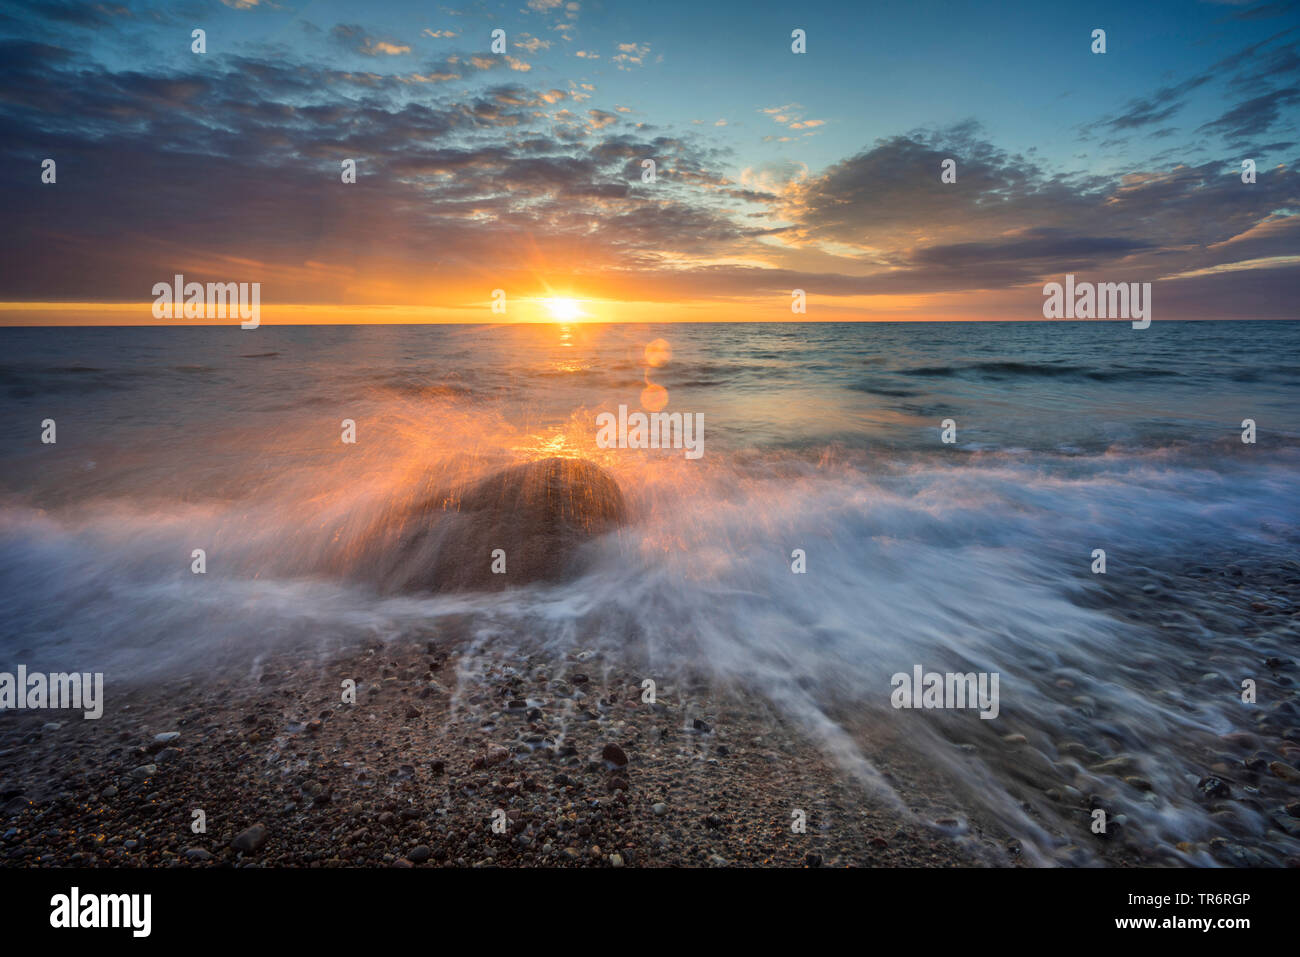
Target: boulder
540, 514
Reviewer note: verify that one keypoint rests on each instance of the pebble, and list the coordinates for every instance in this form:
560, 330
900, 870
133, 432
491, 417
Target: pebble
250, 839
660, 809
614, 755
420, 854
1284, 771
1213, 787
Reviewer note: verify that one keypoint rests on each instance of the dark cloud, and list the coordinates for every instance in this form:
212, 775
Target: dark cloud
1156, 108
1254, 117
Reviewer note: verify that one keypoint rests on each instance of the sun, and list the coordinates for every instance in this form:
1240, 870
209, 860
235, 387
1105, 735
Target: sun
563, 310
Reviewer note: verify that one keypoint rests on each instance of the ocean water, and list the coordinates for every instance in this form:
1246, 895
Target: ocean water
972, 556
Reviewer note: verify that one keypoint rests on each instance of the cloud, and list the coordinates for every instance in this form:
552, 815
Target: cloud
508, 174
354, 38
1254, 117
531, 44
630, 55
791, 116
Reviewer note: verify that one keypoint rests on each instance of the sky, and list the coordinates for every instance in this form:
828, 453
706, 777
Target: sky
523, 170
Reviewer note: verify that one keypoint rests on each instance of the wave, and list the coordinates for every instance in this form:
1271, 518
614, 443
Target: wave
1010, 370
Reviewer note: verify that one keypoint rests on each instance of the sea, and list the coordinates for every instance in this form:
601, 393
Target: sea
871, 498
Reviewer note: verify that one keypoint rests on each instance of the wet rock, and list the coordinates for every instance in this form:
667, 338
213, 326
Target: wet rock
250, 839
614, 755
1213, 787
161, 741
539, 514
1284, 771
1118, 766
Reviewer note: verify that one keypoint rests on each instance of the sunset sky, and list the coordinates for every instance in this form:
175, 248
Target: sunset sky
522, 171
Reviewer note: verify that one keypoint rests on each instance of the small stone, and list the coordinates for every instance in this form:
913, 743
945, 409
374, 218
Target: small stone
197, 854
614, 755
1284, 771
1213, 787
145, 771
616, 860
660, 809
250, 839
701, 726
420, 854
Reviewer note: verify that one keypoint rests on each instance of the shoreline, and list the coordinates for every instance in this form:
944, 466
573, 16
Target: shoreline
585, 773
